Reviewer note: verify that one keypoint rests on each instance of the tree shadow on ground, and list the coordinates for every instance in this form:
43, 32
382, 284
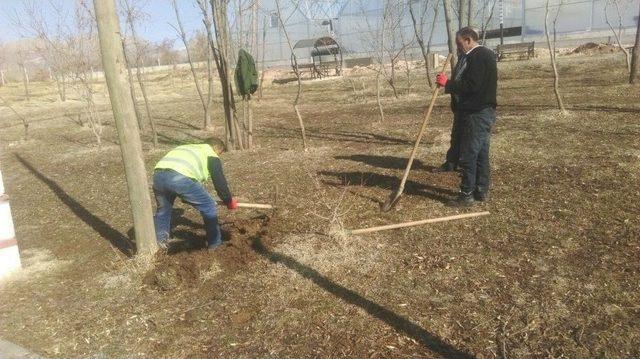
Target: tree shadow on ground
334, 136
117, 239
391, 162
372, 179
428, 340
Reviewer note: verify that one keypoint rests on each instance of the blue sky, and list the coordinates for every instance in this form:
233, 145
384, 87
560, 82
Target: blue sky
155, 29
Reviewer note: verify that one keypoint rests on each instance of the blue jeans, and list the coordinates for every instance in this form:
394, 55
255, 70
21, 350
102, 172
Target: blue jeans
474, 150
167, 185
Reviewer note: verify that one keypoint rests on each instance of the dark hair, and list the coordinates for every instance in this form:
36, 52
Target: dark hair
216, 144
468, 33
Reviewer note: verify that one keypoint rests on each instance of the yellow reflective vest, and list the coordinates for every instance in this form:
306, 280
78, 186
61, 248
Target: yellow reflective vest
189, 161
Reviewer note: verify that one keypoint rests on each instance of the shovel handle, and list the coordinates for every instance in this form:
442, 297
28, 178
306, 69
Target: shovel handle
252, 205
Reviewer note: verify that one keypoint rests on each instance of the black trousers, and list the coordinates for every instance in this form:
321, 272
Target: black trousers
474, 150
453, 154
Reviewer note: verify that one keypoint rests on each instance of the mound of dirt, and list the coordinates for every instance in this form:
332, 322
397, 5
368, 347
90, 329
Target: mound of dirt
187, 261
592, 48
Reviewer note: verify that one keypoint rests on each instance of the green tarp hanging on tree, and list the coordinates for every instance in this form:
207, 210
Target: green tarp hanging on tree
246, 74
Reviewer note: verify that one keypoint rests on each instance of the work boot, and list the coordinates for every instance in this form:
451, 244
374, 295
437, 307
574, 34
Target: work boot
446, 167
464, 199
481, 195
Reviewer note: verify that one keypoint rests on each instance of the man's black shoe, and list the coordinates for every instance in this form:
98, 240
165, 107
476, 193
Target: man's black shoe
481, 196
445, 167
463, 200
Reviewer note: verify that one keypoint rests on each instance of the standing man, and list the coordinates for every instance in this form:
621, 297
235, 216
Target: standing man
182, 173
474, 91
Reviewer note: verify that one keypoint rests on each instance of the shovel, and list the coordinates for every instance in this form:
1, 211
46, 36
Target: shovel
395, 196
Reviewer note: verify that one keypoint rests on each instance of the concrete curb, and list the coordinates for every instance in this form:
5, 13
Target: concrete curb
9, 350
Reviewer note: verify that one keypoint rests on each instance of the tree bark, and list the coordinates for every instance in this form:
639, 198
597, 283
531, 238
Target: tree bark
206, 103
635, 59
418, 32
463, 13
128, 133
451, 33
221, 56
617, 34
298, 77
264, 38
25, 81
132, 89
25, 123
552, 57
143, 88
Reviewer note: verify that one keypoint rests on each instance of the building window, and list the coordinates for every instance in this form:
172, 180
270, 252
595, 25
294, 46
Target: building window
273, 19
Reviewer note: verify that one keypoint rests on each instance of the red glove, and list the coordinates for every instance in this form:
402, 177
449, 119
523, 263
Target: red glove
441, 79
233, 204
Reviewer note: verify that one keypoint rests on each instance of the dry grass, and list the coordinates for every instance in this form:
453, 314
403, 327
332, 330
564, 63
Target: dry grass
553, 272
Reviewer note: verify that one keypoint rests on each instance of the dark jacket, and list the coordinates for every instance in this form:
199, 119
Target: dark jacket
214, 165
473, 87
246, 74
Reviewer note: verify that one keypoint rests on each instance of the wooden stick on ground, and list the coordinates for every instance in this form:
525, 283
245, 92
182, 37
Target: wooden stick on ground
252, 205
417, 223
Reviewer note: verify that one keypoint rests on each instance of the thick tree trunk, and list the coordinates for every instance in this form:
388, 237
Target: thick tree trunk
128, 133
132, 89
451, 33
635, 59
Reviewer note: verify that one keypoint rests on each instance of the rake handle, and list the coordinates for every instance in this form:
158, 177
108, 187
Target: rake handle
427, 115
417, 223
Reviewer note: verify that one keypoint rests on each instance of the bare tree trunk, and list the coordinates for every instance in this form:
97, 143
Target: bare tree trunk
471, 12
143, 89
463, 14
254, 28
60, 87
262, 70
221, 56
250, 131
552, 57
378, 99
418, 33
206, 103
451, 33
2, 78
25, 81
298, 75
635, 59
25, 123
618, 33
128, 133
